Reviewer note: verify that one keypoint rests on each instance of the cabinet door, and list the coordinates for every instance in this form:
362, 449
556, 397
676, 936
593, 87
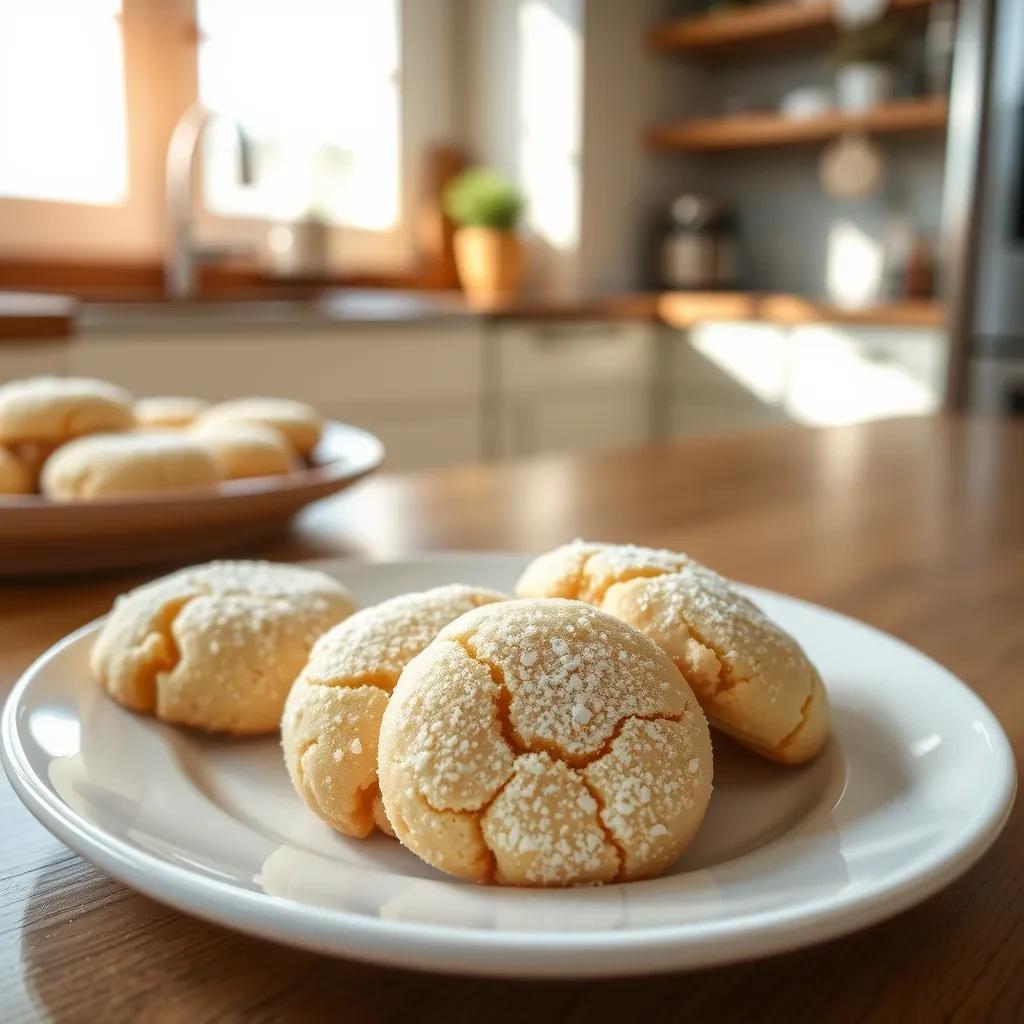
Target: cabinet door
553, 356
841, 375
581, 420
324, 366
701, 414
423, 435
573, 386
214, 366
726, 376
20, 359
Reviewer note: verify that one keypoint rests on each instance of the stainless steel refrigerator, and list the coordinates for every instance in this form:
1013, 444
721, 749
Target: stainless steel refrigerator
984, 208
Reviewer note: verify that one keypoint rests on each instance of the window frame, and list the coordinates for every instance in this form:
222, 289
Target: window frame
160, 44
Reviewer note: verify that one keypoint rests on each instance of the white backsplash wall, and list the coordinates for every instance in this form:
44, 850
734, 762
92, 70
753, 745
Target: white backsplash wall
626, 190
579, 73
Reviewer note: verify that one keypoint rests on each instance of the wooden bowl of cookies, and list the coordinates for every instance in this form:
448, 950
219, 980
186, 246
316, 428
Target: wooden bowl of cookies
91, 479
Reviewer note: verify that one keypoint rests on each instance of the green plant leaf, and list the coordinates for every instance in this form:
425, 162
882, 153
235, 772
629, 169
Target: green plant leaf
480, 197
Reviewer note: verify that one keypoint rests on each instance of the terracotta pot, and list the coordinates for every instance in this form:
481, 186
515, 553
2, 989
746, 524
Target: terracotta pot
490, 265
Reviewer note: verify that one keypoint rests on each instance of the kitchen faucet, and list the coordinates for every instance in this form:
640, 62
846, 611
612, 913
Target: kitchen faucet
184, 252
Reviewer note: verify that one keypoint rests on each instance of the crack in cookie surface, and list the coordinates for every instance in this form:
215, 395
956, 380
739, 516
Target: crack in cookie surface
536, 830
376, 680
610, 839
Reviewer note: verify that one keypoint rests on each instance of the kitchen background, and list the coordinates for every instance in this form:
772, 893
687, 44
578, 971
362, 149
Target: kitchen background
732, 215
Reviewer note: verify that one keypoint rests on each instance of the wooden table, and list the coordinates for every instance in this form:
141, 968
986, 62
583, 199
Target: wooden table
916, 526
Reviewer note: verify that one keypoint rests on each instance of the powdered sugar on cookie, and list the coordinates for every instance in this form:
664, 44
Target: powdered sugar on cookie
519, 747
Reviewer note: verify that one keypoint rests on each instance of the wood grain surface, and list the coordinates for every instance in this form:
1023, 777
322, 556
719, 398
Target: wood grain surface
760, 129
916, 526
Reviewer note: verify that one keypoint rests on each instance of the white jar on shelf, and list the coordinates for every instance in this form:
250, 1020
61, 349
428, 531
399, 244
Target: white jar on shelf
861, 86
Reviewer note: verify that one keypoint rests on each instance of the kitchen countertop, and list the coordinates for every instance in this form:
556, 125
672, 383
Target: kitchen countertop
26, 315
29, 315
912, 525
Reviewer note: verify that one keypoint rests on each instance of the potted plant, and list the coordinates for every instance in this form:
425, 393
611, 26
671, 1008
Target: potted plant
488, 253
863, 60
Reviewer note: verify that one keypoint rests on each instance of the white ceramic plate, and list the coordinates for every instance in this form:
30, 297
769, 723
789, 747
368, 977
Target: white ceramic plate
915, 783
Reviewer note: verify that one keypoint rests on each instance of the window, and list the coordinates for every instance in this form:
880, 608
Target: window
314, 85
62, 101
341, 101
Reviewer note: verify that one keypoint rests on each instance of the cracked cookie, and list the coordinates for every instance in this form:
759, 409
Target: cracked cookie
332, 716
546, 743
752, 679
216, 646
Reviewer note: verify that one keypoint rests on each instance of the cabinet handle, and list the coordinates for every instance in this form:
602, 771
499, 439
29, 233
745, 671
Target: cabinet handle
555, 335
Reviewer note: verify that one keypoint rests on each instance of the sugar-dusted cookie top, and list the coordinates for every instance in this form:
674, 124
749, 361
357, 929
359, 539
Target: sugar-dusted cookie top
216, 646
332, 718
543, 742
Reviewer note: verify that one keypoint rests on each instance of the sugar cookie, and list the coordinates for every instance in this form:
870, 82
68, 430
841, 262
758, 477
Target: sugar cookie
15, 475
216, 646
543, 742
52, 410
112, 465
168, 412
752, 679
300, 423
246, 449
332, 716
32, 455
584, 571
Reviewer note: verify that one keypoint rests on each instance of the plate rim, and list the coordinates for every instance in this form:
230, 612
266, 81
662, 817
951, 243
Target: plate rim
511, 953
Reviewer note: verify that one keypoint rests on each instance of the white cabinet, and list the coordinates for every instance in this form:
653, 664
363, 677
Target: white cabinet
31, 358
843, 375
569, 386
726, 377
417, 386
739, 375
422, 434
445, 393
328, 366
584, 419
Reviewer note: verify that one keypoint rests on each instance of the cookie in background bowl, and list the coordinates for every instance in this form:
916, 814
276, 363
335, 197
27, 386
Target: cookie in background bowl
246, 449
16, 476
50, 411
300, 423
168, 412
332, 716
216, 646
117, 465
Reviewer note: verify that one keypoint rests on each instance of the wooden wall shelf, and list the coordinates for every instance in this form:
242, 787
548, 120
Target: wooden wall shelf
766, 26
754, 131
